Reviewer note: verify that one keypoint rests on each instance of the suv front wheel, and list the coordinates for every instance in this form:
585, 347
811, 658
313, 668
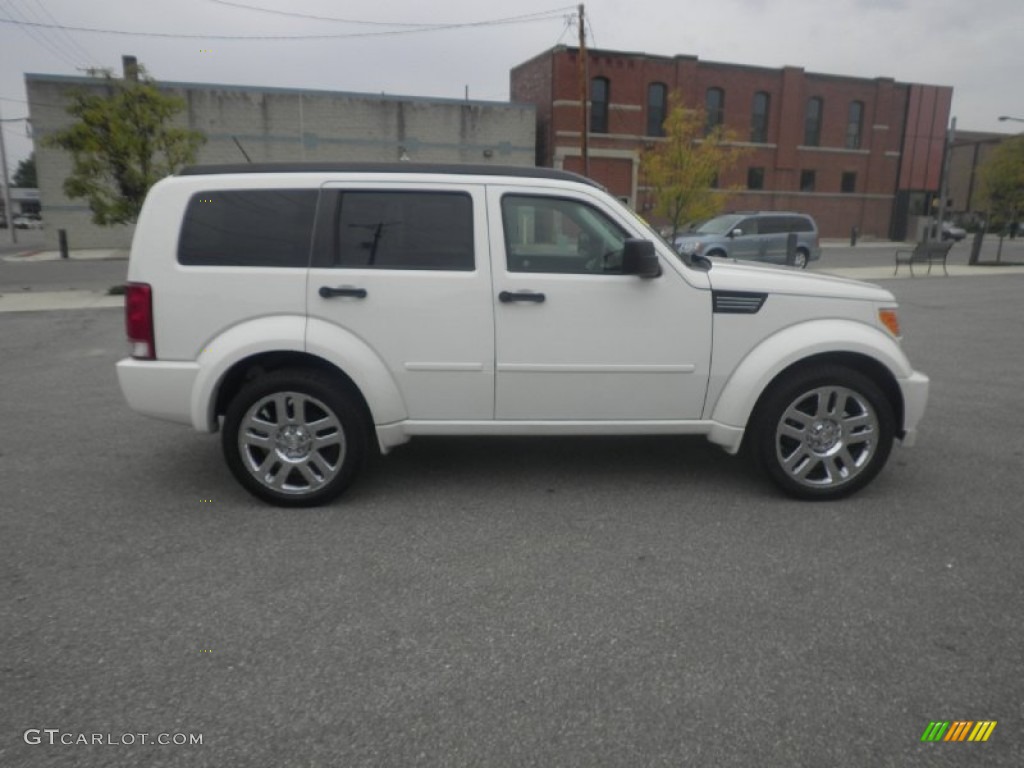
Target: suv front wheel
294, 438
823, 433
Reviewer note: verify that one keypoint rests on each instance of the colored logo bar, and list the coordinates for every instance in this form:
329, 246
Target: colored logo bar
958, 730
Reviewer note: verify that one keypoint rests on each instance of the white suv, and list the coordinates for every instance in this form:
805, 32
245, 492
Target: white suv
313, 313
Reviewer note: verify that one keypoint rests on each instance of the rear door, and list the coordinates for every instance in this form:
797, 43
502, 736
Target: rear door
405, 268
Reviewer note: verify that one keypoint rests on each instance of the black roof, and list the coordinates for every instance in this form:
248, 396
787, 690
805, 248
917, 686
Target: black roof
517, 171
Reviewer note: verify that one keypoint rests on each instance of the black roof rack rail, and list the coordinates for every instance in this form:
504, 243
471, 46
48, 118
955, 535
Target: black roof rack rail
516, 171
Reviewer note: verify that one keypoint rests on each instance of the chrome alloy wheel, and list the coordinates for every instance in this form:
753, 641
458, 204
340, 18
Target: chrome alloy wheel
826, 437
291, 442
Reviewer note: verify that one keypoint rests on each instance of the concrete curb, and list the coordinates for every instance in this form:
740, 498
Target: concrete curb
57, 300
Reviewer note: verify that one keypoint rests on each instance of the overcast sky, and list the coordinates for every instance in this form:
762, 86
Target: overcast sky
976, 47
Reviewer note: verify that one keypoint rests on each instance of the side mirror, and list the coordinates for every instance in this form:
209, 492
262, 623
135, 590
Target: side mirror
639, 258
736, 232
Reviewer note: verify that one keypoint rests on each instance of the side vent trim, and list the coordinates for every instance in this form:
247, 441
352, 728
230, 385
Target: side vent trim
737, 302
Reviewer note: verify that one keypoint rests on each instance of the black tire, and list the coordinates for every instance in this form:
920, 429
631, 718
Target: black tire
822, 433
295, 437
800, 258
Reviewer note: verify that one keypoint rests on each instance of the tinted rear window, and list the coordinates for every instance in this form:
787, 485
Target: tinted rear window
400, 230
248, 228
801, 224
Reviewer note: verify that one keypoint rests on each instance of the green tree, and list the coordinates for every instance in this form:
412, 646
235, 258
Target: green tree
25, 174
1002, 184
681, 170
123, 143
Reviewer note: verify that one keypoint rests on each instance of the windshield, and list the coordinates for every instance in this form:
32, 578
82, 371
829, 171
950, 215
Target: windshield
719, 225
636, 217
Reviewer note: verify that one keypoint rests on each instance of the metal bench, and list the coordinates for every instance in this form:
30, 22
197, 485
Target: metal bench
929, 251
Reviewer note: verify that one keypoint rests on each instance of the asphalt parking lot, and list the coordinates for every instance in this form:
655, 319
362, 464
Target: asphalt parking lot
515, 602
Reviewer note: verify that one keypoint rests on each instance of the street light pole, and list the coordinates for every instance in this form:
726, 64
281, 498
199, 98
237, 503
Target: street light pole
1004, 118
8, 210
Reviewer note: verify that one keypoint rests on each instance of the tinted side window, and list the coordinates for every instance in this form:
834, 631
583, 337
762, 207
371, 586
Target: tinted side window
773, 225
248, 228
401, 230
802, 224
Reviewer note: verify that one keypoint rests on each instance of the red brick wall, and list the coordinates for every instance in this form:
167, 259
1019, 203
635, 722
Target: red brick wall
531, 84
897, 118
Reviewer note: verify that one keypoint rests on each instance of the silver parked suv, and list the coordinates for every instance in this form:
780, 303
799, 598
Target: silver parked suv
755, 235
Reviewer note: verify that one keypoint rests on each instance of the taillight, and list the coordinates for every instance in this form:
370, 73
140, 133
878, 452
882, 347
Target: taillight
138, 320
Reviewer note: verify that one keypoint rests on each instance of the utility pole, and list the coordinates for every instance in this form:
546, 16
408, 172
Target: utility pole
8, 210
947, 150
584, 123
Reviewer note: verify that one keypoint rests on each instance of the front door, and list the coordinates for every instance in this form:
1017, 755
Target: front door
575, 338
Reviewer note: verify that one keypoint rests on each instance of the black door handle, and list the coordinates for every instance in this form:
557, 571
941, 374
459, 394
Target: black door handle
346, 290
508, 296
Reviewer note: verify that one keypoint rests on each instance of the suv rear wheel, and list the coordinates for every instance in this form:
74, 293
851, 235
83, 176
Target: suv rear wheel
295, 437
823, 433
800, 258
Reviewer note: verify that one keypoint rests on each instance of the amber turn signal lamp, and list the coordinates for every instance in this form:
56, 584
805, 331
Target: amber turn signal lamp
890, 320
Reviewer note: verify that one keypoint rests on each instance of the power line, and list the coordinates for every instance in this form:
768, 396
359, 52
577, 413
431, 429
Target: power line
407, 25
568, 25
529, 18
78, 47
590, 27
30, 29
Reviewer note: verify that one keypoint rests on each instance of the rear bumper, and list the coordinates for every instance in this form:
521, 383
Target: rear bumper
162, 390
915, 398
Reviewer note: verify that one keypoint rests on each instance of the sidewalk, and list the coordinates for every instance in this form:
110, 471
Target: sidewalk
844, 242
920, 272
94, 254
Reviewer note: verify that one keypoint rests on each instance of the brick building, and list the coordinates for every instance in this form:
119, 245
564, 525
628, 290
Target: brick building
849, 151
285, 125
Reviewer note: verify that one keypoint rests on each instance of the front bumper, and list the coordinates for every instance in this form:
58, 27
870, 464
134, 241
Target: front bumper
915, 397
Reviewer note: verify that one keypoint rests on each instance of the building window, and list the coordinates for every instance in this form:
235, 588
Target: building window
759, 118
812, 123
755, 178
854, 124
656, 109
714, 106
807, 179
849, 182
599, 91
